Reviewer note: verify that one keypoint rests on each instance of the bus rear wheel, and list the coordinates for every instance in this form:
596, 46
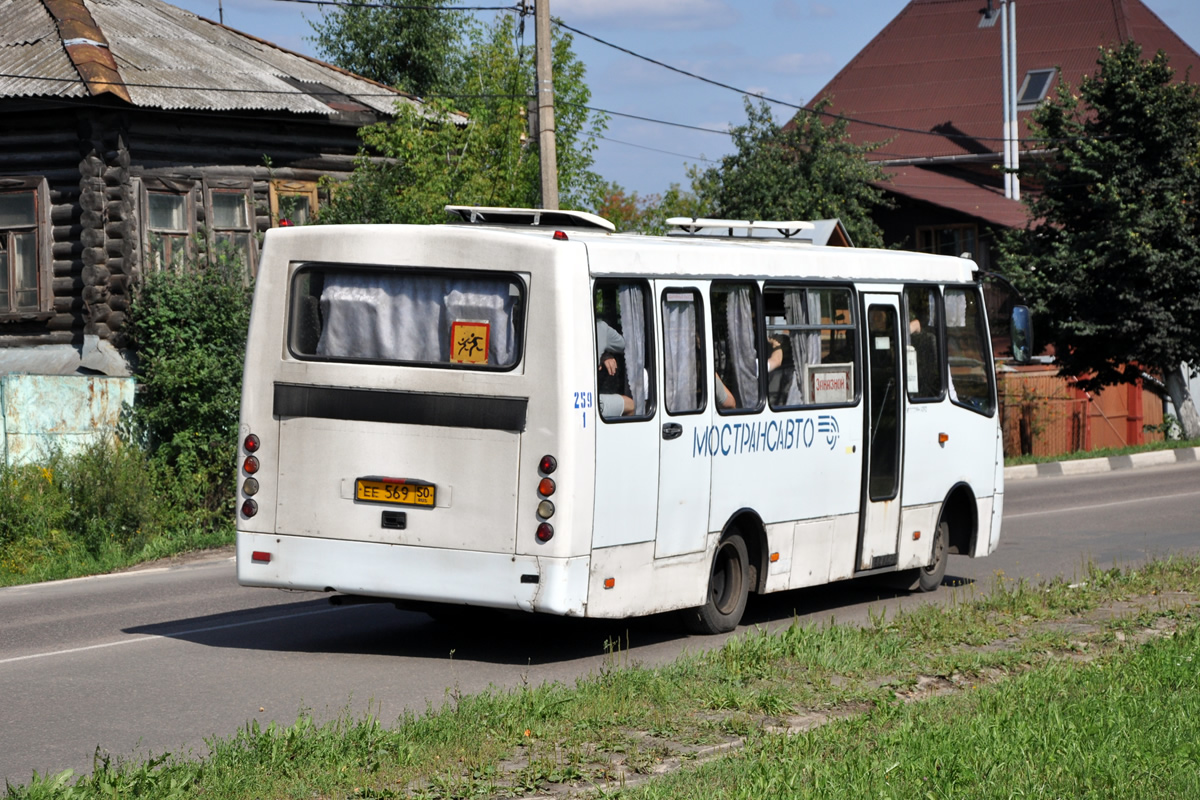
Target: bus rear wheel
928, 578
728, 590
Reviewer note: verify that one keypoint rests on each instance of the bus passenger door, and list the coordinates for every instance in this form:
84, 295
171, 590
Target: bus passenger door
878, 541
684, 472
625, 400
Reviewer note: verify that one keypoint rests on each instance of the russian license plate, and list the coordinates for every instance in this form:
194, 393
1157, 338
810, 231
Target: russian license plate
395, 490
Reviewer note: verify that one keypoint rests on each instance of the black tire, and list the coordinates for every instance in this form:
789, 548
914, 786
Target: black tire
925, 579
728, 589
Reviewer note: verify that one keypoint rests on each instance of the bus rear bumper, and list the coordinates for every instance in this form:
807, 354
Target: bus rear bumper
401, 572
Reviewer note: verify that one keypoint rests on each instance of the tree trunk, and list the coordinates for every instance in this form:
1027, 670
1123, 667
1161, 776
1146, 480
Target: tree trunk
1181, 398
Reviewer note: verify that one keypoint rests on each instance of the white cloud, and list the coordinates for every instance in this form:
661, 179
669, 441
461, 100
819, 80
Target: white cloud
677, 15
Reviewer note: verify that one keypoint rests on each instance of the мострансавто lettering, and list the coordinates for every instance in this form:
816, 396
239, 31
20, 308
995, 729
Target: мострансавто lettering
734, 438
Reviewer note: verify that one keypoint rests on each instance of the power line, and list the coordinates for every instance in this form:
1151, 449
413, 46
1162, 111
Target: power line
655, 149
647, 119
828, 114
400, 7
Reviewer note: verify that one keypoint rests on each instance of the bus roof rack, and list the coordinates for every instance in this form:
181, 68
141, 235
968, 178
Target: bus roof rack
747, 228
534, 217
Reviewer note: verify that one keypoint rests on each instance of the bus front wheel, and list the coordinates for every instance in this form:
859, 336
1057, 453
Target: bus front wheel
728, 589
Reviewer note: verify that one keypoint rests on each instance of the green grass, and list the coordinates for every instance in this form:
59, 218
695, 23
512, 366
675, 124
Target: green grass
1048, 697
1104, 452
1125, 726
103, 508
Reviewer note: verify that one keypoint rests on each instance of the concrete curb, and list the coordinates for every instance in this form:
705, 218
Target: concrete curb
1089, 466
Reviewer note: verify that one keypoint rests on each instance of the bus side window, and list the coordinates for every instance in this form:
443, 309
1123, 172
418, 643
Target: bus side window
624, 340
736, 348
967, 351
924, 351
810, 333
683, 351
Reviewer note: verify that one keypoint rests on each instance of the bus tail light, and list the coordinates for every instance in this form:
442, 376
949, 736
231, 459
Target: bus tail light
545, 509
548, 464
260, 557
250, 487
546, 487
545, 532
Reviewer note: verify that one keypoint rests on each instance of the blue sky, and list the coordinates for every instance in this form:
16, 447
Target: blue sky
785, 49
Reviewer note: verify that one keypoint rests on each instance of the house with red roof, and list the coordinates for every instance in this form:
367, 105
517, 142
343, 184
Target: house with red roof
929, 86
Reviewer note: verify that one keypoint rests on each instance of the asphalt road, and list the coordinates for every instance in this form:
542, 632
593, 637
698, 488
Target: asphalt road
158, 660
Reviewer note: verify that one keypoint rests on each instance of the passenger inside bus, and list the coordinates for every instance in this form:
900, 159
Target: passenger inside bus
609, 345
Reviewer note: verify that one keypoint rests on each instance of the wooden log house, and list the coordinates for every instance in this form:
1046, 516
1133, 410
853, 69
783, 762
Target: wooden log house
132, 131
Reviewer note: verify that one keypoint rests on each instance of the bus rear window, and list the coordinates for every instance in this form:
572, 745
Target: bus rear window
469, 320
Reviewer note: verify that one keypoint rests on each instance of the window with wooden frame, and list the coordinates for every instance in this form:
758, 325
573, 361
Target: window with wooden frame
230, 212
170, 223
293, 203
948, 240
25, 249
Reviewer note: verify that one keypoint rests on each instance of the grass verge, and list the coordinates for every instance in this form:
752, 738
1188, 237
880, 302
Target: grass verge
1020, 690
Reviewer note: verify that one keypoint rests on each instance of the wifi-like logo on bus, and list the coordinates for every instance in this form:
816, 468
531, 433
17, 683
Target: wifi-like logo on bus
827, 426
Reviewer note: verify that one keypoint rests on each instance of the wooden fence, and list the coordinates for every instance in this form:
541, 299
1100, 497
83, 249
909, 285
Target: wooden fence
1045, 415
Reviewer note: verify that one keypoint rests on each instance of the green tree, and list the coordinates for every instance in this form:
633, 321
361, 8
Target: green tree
427, 157
807, 169
416, 49
1112, 260
649, 214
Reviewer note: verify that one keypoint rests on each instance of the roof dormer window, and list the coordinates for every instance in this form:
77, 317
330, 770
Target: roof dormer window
1035, 87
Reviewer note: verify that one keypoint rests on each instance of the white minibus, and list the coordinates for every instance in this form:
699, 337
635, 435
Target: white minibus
526, 410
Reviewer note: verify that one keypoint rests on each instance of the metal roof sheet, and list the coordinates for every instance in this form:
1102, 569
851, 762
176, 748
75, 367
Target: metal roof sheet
170, 58
47, 58
24, 23
943, 188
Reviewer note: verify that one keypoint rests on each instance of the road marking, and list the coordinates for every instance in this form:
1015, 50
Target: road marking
1008, 516
177, 635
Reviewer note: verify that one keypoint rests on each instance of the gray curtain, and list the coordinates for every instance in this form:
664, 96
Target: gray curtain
679, 343
803, 307
408, 318
633, 323
739, 314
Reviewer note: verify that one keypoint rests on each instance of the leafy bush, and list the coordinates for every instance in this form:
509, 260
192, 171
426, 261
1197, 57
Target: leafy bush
189, 329
95, 510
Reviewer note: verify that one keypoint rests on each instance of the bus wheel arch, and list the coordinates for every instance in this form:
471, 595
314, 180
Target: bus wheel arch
747, 524
961, 516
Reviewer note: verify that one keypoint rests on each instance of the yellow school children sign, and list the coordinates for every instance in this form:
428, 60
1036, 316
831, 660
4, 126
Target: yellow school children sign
469, 342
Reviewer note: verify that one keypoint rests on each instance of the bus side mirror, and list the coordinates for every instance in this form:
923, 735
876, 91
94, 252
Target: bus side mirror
1022, 334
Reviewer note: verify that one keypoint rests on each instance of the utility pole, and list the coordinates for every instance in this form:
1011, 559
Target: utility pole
1008, 66
545, 102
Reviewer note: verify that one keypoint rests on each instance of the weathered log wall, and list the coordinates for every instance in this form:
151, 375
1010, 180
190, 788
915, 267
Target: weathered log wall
93, 159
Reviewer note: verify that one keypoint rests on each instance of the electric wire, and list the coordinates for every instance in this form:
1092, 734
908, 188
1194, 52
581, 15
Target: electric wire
655, 149
775, 101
